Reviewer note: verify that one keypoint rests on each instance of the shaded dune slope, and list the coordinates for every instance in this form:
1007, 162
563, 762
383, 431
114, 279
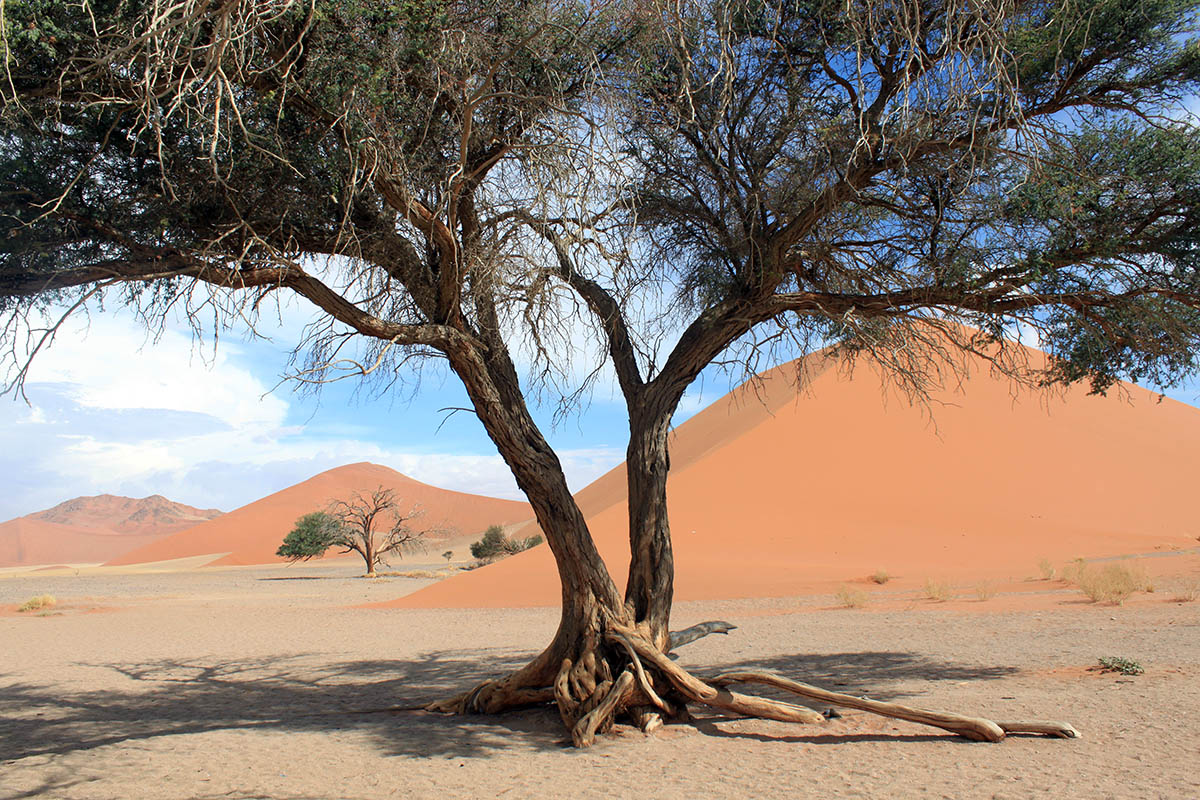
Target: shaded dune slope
252, 533
93, 529
777, 490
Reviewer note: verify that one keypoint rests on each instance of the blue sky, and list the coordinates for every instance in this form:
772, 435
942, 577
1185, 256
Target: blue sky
114, 410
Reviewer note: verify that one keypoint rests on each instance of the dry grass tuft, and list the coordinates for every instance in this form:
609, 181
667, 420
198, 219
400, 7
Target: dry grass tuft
420, 573
938, 591
1047, 569
851, 597
1072, 570
880, 576
1190, 593
985, 590
36, 603
1112, 583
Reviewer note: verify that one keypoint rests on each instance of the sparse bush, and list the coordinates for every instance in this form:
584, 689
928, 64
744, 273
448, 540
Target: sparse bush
880, 576
1189, 593
851, 597
938, 591
1113, 583
36, 603
1072, 571
1125, 666
449, 554
495, 544
985, 590
1047, 569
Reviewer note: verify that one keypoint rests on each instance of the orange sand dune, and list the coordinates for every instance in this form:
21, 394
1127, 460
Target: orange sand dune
251, 534
777, 490
26, 541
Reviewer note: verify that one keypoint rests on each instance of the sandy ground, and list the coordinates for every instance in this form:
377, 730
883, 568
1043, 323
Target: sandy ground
270, 683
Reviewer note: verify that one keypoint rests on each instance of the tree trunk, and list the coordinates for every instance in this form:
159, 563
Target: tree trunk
590, 599
650, 588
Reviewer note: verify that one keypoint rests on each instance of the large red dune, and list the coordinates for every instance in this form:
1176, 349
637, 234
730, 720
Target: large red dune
777, 490
251, 534
93, 529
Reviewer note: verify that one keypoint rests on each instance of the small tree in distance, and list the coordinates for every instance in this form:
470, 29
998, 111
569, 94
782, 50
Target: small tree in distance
371, 525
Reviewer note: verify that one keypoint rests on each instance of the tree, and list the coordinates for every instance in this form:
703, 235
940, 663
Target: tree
697, 182
372, 525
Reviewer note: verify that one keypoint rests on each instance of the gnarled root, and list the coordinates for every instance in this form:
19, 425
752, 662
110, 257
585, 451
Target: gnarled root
583, 734
527, 686
976, 728
651, 688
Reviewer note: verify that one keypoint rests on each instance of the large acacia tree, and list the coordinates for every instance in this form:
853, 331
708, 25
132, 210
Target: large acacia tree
688, 178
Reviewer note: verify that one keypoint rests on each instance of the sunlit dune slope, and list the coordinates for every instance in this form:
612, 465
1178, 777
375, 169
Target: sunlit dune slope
777, 490
251, 534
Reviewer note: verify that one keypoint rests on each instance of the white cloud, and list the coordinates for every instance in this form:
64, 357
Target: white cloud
112, 364
116, 412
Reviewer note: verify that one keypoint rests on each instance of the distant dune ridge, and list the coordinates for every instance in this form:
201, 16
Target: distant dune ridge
251, 534
93, 529
776, 490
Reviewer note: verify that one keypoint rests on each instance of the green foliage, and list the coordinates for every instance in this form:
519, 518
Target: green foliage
1125, 666
496, 544
313, 535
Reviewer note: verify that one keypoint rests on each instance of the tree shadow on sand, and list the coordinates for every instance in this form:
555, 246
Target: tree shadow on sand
378, 698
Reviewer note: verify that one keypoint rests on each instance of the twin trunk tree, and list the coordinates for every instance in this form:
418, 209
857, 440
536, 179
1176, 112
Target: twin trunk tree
706, 180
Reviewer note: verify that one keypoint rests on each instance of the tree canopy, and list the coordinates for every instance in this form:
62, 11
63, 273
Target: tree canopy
693, 181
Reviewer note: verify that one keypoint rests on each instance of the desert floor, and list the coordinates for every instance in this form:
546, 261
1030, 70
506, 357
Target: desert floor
271, 683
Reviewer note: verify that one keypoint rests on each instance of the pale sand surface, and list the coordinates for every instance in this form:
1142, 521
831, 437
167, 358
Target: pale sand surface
231, 683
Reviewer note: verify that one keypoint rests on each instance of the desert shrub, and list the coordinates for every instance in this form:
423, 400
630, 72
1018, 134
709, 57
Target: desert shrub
938, 591
1073, 570
1047, 569
1112, 583
495, 544
1189, 593
1125, 666
449, 554
39, 602
985, 590
851, 597
880, 576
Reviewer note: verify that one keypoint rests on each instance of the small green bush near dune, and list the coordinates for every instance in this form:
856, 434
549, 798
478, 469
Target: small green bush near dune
36, 603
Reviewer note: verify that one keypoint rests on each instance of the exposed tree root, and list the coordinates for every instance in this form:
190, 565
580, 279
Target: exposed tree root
584, 732
651, 689
976, 728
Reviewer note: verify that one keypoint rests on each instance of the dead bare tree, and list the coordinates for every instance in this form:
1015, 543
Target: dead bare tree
694, 180
375, 525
